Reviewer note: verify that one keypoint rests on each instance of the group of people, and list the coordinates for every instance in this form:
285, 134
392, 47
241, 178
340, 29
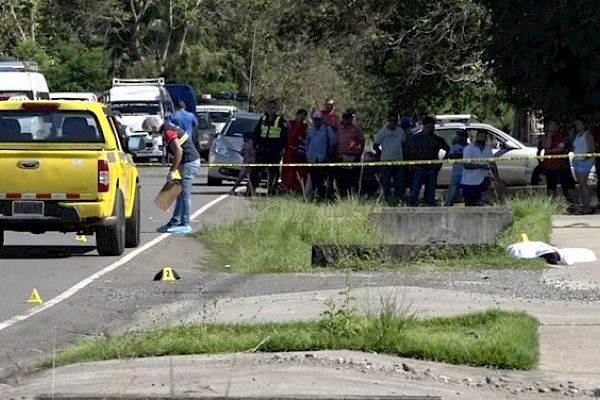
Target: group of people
557, 144
341, 140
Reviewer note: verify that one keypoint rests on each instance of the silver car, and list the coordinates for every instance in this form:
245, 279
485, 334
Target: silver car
515, 172
227, 148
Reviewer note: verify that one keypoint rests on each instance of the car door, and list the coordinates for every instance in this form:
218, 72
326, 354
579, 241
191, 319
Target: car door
126, 162
445, 174
512, 171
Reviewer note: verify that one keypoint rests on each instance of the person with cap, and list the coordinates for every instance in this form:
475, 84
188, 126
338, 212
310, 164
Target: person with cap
426, 146
350, 146
270, 139
320, 146
184, 167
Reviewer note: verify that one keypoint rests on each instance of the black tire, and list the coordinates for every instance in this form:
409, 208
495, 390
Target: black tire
110, 240
132, 226
214, 181
1, 239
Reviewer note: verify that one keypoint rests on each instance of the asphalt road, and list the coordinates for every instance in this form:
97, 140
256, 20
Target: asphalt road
111, 295
54, 262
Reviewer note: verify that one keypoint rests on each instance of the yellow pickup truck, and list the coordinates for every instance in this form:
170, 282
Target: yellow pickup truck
65, 169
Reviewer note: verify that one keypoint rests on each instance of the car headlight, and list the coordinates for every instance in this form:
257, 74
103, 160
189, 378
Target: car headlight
220, 148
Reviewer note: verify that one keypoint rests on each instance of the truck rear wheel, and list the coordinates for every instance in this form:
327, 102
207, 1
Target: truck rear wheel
132, 236
110, 240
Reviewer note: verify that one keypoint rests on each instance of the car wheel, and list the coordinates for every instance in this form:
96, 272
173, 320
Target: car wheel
132, 236
1, 238
214, 181
110, 240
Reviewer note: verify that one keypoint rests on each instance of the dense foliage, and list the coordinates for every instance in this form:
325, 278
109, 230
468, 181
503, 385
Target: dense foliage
369, 54
547, 53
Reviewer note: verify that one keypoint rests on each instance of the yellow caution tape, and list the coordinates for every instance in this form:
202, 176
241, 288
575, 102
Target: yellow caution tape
385, 163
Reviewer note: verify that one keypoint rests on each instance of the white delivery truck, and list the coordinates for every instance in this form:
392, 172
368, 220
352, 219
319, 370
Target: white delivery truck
22, 78
137, 99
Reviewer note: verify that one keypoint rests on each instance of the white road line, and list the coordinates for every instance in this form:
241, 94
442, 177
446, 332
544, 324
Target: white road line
124, 260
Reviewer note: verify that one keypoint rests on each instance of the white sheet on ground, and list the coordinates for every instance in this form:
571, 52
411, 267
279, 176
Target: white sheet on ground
568, 256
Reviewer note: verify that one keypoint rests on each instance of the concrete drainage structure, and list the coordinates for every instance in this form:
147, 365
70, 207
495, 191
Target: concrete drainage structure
442, 225
415, 232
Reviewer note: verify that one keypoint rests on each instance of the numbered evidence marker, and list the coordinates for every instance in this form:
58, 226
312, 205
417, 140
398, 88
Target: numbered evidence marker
166, 274
34, 297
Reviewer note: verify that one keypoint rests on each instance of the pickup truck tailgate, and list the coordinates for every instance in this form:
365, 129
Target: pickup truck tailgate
56, 175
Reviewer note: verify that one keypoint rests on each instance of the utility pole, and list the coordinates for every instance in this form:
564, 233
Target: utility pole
251, 69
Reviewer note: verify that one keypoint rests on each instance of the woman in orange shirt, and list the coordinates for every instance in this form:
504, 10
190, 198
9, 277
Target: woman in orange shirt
294, 178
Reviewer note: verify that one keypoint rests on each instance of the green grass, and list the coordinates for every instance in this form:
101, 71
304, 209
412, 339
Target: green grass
532, 215
279, 235
494, 338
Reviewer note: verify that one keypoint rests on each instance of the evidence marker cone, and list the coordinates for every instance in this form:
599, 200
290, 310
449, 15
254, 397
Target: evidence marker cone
166, 274
523, 238
34, 297
81, 238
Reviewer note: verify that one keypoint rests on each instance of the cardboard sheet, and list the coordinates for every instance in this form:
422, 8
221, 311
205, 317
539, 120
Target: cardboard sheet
167, 195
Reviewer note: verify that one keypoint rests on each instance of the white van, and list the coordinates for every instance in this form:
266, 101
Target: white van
137, 99
22, 78
83, 96
219, 114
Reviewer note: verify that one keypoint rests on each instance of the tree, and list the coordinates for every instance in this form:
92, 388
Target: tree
417, 53
546, 54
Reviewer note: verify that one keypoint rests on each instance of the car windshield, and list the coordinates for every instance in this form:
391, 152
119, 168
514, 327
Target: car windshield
203, 122
219, 116
239, 126
49, 127
136, 108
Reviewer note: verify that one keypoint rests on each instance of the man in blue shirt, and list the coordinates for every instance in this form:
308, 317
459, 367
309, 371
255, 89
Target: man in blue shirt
320, 145
184, 119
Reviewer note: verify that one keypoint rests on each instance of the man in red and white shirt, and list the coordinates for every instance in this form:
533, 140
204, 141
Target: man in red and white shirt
185, 166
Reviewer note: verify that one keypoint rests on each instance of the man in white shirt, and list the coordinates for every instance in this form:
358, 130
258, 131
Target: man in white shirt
389, 142
475, 177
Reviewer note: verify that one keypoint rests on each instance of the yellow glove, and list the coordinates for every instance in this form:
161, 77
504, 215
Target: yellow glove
174, 176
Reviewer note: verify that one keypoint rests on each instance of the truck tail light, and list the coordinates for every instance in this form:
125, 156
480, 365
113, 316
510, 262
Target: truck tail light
103, 176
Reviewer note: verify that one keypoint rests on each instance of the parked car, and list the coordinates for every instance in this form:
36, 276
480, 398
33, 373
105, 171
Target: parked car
513, 172
227, 147
205, 134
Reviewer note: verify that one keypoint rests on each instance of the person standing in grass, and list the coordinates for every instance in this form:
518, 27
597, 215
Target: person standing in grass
456, 152
320, 147
583, 144
294, 178
557, 170
388, 144
475, 177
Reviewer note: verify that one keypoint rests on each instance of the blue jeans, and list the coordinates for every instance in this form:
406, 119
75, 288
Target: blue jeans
183, 206
427, 177
453, 190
